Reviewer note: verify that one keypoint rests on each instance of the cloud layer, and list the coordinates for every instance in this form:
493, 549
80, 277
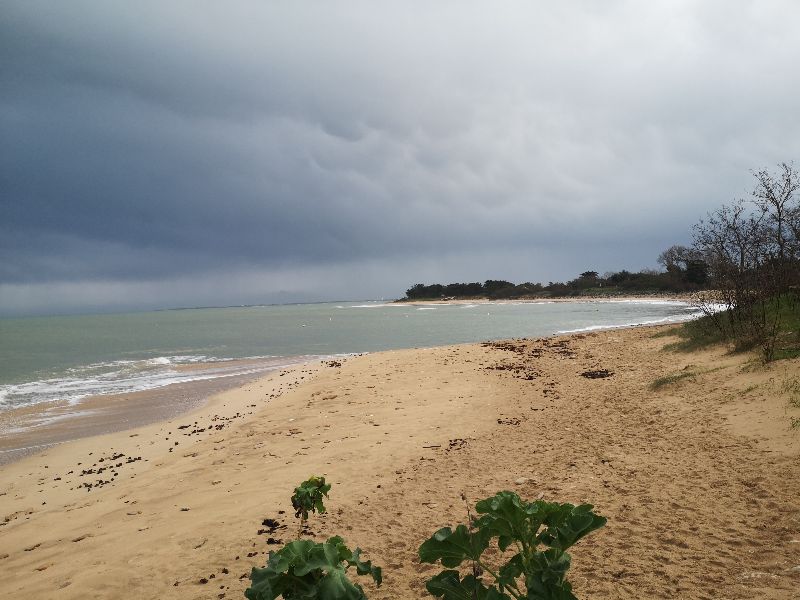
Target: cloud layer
161, 154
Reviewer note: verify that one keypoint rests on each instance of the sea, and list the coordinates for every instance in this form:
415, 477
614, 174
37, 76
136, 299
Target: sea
69, 358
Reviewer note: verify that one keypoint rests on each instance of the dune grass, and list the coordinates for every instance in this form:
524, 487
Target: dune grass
670, 379
686, 373
704, 332
791, 387
696, 335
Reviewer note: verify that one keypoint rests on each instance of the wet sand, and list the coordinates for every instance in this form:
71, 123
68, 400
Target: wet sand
27, 430
699, 478
30, 429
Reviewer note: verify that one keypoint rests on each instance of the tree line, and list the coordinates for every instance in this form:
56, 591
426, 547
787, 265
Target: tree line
682, 275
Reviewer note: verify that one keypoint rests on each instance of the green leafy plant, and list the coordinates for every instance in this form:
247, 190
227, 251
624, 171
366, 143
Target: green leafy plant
307, 570
538, 532
307, 498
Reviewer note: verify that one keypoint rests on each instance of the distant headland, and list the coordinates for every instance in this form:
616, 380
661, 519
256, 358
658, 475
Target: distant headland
680, 278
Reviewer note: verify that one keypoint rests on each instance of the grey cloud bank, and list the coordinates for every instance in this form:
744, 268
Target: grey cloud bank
174, 154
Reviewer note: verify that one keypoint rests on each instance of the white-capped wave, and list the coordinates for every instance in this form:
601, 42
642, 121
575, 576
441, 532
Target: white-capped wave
655, 301
372, 305
129, 376
672, 319
160, 360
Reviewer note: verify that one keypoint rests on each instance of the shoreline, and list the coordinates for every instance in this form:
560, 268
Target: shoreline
31, 427
23, 430
27, 429
684, 473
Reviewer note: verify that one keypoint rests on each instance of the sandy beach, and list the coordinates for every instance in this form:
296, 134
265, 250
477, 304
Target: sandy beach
699, 478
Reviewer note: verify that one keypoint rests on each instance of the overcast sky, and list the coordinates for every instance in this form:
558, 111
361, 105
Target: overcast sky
157, 154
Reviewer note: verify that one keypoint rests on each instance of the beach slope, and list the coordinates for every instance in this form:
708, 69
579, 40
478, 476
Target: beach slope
698, 476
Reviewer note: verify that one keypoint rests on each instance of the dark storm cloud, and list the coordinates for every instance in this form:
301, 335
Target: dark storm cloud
350, 149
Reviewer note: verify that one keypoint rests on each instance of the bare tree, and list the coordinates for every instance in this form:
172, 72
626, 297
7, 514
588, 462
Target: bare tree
753, 253
774, 197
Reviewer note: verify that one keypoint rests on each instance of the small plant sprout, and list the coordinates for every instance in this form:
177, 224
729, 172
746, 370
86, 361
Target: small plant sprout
307, 570
538, 533
307, 498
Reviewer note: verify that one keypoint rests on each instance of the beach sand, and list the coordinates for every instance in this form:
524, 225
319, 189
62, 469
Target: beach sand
698, 479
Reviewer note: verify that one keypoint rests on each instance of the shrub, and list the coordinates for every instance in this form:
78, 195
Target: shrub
531, 573
307, 570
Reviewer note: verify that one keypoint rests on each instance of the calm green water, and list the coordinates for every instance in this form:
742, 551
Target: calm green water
67, 358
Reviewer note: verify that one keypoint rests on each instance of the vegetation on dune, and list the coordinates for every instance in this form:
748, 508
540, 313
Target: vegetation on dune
791, 387
782, 342
752, 251
688, 372
307, 570
672, 378
538, 534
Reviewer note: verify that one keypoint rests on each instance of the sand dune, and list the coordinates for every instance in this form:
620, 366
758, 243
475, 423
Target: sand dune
699, 479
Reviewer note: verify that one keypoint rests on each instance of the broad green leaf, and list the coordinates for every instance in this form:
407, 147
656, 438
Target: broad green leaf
293, 554
336, 586
449, 586
268, 584
549, 566
364, 567
549, 591
260, 585
324, 557
453, 547
338, 542
279, 576
508, 517
568, 524
306, 570
534, 573
510, 571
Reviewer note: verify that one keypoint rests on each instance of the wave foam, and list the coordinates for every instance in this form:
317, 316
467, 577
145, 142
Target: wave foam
129, 376
663, 320
372, 305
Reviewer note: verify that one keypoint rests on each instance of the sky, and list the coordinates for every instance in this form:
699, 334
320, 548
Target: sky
164, 154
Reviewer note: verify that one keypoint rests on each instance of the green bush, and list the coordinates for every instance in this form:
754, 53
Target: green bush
307, 570
540, 532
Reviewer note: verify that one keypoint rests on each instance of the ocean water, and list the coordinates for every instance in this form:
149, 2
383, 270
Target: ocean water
68, 358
